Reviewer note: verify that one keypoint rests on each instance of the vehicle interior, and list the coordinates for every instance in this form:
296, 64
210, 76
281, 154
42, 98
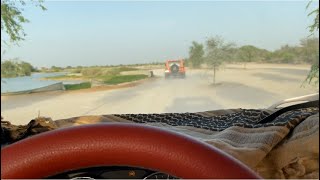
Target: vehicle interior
214, 101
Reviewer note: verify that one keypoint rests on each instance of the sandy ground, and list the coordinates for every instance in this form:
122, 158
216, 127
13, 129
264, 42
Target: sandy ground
258, 86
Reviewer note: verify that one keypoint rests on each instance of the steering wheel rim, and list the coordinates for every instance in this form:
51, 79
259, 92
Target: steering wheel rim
78, 147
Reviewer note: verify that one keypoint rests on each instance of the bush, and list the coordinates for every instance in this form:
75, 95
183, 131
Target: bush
56, 69
15, 68
76, 70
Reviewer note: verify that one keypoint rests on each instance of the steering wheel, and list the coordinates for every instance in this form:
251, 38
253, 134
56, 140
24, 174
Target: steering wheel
78, 147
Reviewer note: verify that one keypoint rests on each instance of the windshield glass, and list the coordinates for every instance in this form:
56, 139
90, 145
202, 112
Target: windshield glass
66, 59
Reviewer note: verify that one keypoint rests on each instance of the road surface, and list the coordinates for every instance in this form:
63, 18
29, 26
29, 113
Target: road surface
235, 88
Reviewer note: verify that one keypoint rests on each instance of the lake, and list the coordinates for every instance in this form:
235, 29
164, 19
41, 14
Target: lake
30, 82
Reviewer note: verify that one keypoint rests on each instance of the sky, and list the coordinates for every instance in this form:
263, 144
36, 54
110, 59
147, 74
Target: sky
72, 33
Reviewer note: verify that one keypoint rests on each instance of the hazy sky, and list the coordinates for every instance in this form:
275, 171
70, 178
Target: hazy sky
103, 32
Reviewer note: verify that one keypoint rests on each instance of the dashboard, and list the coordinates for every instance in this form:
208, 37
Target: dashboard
114, 172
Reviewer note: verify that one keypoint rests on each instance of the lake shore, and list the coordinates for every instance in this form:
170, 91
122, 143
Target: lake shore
95, 88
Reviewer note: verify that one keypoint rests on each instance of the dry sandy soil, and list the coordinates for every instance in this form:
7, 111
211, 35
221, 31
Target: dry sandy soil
258, 86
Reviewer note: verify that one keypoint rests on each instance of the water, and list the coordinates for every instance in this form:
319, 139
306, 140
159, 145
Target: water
30, 82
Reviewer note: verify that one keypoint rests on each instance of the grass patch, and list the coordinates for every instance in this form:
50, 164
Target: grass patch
84, 85
78, 70
124, 78
120, 69
62, 77
107, 75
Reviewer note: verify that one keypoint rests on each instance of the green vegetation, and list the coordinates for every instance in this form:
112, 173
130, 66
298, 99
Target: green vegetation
96, 72
196, 54
55, 69
124, 68
250, 53
12, 22
106, 75
12, 19
77, 70
314, 27
62, 77
313, 75
92, 70
307, 52
15, 68
84, 85
124, 78
100, 72
217, 52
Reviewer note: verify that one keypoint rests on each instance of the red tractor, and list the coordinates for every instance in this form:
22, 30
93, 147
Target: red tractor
175, 68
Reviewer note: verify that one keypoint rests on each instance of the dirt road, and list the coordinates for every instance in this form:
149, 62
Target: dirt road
256, 87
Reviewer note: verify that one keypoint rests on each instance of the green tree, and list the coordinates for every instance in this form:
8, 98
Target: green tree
12, 19
56, 69
314, 27
310, 50
233, 55
286, 54
247, 54
196, 53
26, 68
310, 54
218, 51
14, 68
8, 69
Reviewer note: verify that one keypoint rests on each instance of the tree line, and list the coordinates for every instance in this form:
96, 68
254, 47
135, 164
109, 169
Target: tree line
15, 68
216, 51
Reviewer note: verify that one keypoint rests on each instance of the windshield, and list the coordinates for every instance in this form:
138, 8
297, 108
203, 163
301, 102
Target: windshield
63, 59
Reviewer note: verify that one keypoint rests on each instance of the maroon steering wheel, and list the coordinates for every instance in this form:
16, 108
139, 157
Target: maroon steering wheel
78, 147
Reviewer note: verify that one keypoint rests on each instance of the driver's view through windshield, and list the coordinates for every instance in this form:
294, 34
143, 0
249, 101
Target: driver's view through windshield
240, 76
